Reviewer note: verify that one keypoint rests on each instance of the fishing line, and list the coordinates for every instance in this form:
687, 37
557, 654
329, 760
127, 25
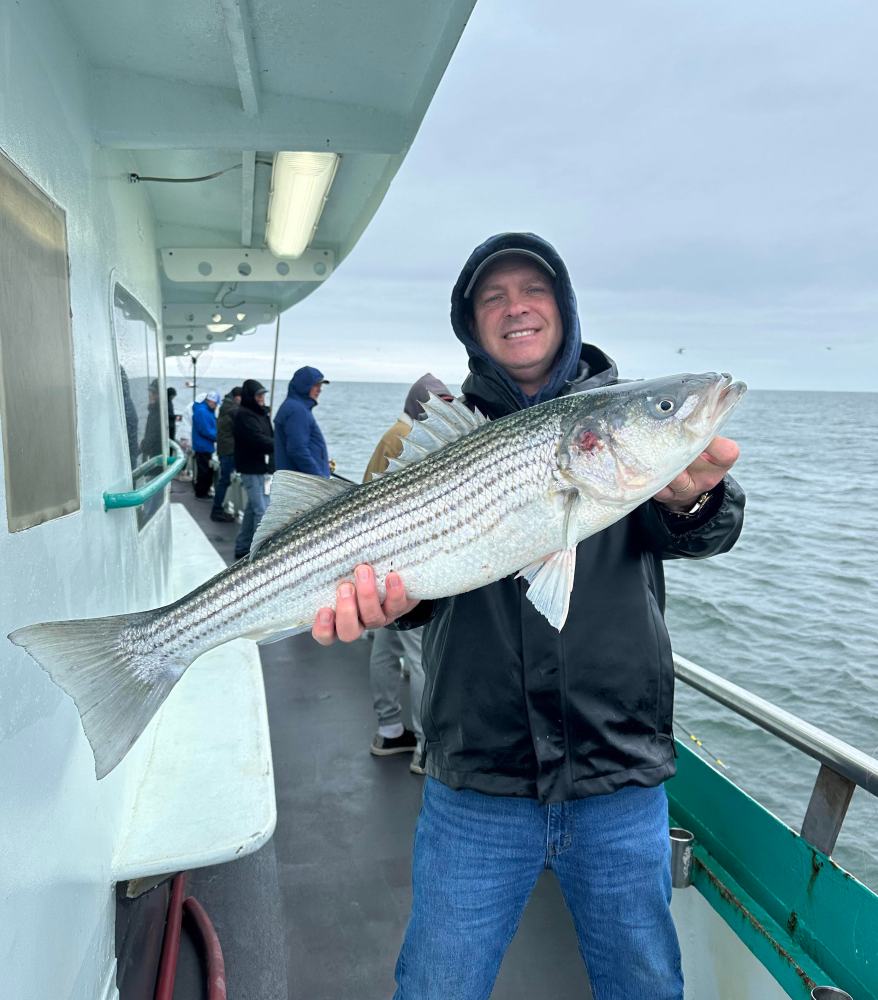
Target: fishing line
699, 743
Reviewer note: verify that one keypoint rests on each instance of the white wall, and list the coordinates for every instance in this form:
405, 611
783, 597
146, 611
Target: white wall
57, 825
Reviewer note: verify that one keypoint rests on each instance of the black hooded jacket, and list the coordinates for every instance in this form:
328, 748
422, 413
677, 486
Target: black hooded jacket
513, 707
254, 436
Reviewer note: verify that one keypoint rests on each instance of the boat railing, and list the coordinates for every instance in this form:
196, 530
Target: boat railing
842, 767
136, 498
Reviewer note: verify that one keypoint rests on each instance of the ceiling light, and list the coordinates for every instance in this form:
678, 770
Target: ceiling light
300, 184
232, 337
240, 317
216, 318
219, 327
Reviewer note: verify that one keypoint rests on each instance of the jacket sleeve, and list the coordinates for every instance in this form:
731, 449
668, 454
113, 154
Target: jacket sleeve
420, 614
713, 530
390, 446
297, 439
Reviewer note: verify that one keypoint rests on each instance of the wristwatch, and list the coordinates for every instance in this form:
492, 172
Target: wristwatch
698, 505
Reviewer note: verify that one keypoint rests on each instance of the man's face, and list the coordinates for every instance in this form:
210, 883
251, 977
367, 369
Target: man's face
516, 320
260, 398
211, 404
315, 390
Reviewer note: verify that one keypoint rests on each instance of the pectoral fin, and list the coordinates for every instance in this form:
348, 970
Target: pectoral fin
550, 581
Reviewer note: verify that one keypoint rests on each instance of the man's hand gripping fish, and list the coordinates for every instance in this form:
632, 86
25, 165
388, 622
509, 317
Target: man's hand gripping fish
467, 503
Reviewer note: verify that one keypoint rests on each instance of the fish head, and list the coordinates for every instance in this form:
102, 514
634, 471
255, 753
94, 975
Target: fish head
623, 443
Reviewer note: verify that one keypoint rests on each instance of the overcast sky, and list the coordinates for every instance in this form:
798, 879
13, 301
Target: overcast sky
708, 170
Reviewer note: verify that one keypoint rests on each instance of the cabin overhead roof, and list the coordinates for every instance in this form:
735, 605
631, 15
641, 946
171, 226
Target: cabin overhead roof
197, 87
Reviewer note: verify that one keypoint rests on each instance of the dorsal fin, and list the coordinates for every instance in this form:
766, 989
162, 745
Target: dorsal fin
445, 422
292, 494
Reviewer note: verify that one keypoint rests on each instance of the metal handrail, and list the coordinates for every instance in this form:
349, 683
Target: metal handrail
835, 753
135, 498
842, 767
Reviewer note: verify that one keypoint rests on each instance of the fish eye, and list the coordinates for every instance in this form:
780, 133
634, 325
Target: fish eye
666, 405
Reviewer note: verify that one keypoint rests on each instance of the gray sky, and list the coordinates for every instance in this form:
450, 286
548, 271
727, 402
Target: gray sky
709, 172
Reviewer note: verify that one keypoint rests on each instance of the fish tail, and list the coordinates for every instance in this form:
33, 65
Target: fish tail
116, 678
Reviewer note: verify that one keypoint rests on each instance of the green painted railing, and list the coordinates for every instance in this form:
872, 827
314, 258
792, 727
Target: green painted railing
806, 919
135, 498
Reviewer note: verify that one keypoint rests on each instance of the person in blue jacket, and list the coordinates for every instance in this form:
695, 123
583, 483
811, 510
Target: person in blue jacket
204, 441
298, 441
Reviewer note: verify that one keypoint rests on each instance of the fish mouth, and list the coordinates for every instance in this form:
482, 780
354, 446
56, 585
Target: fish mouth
718, 399
729, 393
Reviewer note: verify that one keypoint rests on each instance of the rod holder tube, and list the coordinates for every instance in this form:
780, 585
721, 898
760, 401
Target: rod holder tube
681, 858
829, 993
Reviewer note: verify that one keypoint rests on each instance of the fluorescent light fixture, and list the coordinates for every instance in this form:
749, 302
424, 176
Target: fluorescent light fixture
219, 327
300, 184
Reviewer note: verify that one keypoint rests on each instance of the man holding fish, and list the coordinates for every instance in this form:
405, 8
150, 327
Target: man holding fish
548, 746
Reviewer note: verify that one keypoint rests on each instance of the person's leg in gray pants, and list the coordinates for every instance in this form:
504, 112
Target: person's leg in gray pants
385, 678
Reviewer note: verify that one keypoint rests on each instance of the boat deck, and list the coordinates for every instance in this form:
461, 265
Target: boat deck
320, 911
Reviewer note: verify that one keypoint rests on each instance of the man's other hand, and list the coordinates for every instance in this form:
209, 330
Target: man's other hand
701, 476
358, 607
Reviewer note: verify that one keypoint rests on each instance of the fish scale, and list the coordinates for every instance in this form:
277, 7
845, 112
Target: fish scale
485, 501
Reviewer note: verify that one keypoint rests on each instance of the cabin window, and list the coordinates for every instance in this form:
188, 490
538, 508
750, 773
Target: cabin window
37, 399
142, 395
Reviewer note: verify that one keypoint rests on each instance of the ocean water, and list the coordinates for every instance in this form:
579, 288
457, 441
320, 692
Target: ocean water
791, 613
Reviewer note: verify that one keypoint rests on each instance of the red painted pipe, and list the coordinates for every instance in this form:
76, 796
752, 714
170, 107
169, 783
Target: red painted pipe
216, 969
171, 945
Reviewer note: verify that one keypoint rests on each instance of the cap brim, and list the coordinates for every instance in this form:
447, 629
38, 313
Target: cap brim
508, 252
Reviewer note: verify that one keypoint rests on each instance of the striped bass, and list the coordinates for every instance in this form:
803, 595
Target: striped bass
467, 503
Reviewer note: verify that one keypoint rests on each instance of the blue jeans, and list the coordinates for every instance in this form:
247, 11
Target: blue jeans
257, 504
477, 858
227, 467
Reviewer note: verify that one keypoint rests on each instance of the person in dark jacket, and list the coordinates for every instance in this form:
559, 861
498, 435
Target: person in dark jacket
254, 458
172, 417
225, 451
298, 441
547, 749
151, 444
204, 442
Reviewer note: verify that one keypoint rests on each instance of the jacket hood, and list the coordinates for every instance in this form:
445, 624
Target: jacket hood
248, 395
420, 393
302, 381
568, 365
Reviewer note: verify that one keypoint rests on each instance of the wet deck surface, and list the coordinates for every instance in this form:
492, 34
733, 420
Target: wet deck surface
319, 913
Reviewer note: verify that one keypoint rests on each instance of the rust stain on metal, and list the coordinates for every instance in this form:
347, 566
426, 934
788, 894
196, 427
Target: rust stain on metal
816, 865
736, 904
793, 922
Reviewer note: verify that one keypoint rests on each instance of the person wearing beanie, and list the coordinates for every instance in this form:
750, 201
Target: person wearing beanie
547, 749
254, 458
204, 441
390, 646
225, 450
299, 444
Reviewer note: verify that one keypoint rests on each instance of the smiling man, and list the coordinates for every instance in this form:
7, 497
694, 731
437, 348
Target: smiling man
547, 749
516, 319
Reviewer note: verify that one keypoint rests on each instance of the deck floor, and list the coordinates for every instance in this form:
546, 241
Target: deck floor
319, 913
